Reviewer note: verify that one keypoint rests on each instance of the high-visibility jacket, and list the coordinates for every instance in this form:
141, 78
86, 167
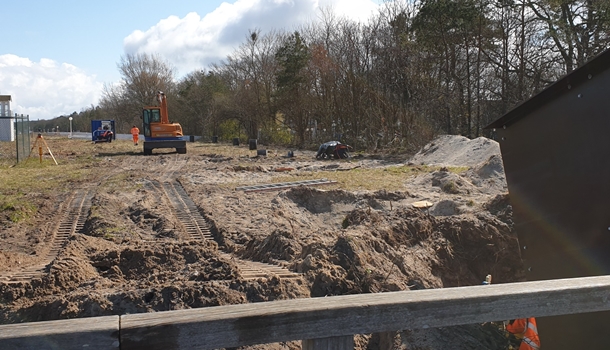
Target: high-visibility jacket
526, 330
135, 131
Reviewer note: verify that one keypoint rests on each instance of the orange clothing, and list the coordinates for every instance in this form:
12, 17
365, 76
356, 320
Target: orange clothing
135, 132
526, 330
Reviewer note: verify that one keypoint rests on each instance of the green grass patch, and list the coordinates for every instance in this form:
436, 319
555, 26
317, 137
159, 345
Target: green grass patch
457, 169
39, 180
77, 164
16, 208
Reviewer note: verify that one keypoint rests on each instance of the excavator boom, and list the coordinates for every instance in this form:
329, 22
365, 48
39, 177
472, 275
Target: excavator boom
163, 105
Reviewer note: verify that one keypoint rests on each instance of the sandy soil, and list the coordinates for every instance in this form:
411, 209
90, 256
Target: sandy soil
134, 254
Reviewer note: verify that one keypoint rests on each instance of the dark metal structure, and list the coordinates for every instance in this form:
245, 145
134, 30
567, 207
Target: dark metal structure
556, 153
22, 136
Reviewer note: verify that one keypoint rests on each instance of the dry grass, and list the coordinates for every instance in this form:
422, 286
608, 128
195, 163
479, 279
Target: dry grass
32, 175
78, 158
64, 150
21, 183
227, 150
78, 162
391, 178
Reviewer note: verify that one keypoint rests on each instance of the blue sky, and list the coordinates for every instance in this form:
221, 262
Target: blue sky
55, 56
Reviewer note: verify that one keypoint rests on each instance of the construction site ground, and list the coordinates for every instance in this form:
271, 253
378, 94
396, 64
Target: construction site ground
127, 233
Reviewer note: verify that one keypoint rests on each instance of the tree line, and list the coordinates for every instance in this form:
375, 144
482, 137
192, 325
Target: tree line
417, 69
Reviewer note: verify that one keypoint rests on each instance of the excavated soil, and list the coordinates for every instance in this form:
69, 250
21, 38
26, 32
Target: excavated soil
135, 256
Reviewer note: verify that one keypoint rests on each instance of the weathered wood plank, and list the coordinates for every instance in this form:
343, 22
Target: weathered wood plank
269, 322
83, 333
333, 343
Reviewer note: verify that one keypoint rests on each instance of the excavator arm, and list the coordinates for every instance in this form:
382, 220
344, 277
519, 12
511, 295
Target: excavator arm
163, 105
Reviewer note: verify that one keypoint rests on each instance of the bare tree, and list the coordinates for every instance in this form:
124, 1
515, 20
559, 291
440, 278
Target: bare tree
116, 106
578, 28
419, 68
142, 75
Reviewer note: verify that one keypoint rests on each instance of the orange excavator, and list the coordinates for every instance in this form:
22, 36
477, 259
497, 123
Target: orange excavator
158, 131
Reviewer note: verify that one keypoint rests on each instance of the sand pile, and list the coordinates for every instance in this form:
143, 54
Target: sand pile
453, 150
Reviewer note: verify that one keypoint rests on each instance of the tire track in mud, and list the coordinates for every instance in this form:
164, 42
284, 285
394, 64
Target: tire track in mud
169, 173
71, 220
184, 210
198, 228
73, 214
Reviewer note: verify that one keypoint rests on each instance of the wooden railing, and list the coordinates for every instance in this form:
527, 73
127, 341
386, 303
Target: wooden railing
322, 323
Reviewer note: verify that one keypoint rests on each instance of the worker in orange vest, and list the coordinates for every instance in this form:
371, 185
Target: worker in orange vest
135, 132
526, 330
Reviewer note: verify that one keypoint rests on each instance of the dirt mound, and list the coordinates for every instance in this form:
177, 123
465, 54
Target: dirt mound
279, 245
488, 175
491, 168
137, 251
500, 207
446, 189
319, 201
445, 207
112, 280
405, 248
451, 183
453, 150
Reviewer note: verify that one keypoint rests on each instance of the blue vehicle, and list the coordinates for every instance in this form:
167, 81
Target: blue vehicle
102, 131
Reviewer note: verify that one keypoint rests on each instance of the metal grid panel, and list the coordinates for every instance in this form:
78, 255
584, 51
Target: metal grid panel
22, 136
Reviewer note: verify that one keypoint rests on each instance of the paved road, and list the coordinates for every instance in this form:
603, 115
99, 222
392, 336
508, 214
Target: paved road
86, 135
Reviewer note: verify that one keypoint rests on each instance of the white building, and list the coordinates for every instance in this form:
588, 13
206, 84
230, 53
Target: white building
7, 122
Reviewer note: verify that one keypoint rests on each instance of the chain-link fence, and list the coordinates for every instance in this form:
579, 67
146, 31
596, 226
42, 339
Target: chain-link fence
22, 136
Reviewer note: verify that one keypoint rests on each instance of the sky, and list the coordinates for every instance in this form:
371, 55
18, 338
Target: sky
57, 55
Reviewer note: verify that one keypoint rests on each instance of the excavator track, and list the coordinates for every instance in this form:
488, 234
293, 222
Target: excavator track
185, 210
73, 214
72, 219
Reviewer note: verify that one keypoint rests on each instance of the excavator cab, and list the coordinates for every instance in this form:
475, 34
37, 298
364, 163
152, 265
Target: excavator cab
158, 131
150, 116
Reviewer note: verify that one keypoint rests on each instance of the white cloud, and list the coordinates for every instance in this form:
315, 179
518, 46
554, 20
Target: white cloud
46, 89
359, 10
193, 42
